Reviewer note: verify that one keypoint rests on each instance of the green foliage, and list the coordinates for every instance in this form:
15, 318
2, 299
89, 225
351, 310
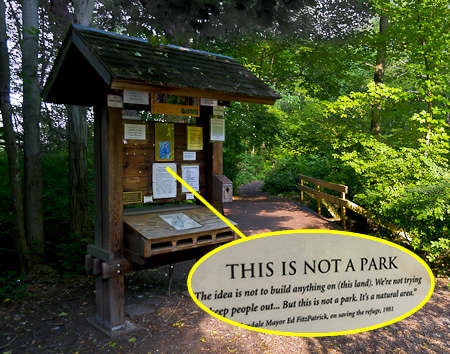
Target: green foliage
11, 286
55, 176
380, 168
407, 187
283, 177
65, 251
423, 211
251, 135
244, 168
70, 253
6, 215
251, 128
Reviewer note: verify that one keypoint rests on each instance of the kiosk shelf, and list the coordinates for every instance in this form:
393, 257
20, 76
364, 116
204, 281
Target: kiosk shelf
154, 231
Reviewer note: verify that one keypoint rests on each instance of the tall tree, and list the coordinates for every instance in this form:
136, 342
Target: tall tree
32, 144
77, 132
380, 65
78, 166
11, 149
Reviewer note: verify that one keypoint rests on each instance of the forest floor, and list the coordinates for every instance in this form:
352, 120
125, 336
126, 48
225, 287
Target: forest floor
51, 317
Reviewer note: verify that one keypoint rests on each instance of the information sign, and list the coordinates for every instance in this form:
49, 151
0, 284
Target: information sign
134, 131
164, 185
217, 129
180, 221
132, 197
115, 101
208, 102
175, 105
135, 97
194, 137
191, 174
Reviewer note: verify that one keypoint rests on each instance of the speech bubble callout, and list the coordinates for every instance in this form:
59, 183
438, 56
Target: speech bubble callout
309, 282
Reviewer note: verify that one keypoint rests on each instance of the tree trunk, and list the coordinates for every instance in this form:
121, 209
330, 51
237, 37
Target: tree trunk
32, 145
80, 223
78, 178
11, 149
83, 12
375, 126
428, 100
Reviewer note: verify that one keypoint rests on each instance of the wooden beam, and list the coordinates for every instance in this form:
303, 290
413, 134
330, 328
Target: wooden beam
361, 211
100, 253
329, 185
118, 84
116, 268
322, 195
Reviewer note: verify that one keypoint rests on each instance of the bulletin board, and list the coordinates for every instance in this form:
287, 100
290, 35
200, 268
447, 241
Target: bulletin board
148, 147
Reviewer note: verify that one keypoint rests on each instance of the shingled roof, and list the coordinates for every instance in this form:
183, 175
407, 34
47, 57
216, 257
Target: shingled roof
90, 59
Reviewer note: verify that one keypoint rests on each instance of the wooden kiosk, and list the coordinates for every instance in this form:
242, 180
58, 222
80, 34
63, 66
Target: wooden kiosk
123, 78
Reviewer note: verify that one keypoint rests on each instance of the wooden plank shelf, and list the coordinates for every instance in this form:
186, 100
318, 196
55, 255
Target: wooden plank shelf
147, 234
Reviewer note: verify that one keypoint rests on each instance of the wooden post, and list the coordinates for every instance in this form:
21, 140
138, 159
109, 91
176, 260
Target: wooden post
108, 211
217, 164
343, 213
213, 156
318, 201
301, 192
217, 158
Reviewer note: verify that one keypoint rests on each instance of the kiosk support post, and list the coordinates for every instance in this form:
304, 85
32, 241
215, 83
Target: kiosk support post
109, 212
214, 158
217, 165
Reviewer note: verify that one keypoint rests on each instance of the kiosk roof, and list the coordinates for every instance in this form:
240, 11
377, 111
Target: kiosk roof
92, 59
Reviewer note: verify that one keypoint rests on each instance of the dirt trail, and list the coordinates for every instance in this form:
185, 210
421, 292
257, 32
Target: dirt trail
257, 212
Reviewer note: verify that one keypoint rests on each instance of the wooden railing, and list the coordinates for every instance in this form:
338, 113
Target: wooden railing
328, 200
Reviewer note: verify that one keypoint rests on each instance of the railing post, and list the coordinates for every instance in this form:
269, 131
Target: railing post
301, 192
318, 200
343, 214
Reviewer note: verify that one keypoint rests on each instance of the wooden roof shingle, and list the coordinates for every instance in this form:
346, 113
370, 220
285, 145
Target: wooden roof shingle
90, 59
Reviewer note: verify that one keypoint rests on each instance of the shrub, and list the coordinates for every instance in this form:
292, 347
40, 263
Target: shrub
409, 188
244, 168
282, 177
423, 212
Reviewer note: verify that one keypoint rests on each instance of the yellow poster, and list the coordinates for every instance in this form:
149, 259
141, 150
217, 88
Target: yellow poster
194, 138
165, 141
175, 105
